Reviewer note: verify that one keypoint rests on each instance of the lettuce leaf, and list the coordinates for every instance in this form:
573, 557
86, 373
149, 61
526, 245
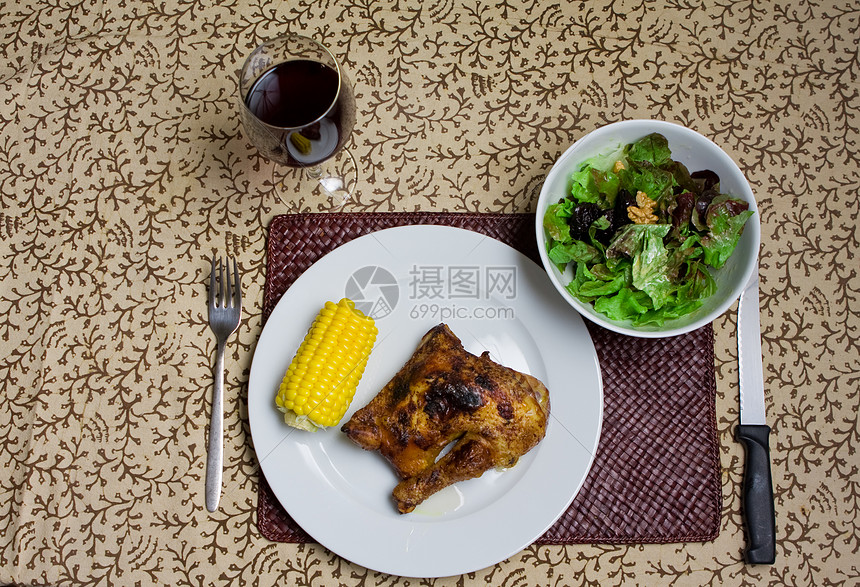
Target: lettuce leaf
564, 253
583, 188
627, 304
651, 265
555, 222
725, 219
607, 183
596, 182
592, 282
653, 148
642, 176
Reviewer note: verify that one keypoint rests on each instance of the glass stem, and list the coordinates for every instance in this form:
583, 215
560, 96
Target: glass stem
314, 172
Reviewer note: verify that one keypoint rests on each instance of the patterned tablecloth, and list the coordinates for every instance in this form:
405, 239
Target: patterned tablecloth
124, 168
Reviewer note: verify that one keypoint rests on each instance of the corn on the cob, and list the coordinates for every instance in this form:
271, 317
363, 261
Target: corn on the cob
324, 374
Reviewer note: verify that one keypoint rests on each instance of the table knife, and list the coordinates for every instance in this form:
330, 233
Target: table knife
757, 495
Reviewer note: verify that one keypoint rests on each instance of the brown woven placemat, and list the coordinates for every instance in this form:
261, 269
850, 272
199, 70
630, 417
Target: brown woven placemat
655, 477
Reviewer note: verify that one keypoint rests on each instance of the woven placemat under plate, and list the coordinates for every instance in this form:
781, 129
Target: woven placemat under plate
655, 478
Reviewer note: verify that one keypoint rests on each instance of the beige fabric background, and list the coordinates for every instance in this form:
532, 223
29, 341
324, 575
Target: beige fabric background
124, 168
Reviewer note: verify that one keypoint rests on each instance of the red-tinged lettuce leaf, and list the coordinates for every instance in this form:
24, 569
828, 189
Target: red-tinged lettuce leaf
555, 221
651, 271
682, 212
706, 179
700, 210
681, 176
725, 218
625, 243
628, 240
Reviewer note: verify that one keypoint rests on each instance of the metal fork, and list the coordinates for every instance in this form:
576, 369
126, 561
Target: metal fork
225, 311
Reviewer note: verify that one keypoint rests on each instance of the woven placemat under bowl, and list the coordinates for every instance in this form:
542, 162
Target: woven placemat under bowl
655, 478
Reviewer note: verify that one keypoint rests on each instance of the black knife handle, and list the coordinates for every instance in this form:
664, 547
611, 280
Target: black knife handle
757, 505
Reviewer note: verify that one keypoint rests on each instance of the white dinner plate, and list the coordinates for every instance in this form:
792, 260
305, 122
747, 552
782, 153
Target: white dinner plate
493, 298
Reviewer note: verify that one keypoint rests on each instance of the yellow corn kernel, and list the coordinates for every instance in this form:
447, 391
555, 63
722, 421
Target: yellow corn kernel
321, 380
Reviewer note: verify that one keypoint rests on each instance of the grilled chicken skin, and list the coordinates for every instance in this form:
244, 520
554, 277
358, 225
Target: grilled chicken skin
444, 394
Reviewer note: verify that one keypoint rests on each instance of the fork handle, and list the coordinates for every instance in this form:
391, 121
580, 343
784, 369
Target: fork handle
215, 456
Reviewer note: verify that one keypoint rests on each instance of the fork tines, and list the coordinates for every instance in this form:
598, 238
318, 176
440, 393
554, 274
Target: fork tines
225, 290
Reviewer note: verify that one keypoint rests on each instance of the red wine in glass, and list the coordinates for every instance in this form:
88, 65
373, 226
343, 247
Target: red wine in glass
298, 107
293, 93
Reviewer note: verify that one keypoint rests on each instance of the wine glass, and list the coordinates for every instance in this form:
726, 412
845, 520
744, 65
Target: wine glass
298, 109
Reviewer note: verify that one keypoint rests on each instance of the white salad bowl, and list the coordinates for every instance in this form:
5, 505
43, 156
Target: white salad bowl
696, 152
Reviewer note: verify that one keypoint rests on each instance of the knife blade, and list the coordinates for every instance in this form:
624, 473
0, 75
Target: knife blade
757, 495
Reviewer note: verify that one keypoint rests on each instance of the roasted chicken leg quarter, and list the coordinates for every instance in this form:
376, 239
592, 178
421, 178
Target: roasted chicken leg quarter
442, 395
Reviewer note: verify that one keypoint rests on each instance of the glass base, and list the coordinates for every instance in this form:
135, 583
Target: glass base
329, 185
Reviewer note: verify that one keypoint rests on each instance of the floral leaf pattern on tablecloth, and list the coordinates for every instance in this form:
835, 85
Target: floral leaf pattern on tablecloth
124, 168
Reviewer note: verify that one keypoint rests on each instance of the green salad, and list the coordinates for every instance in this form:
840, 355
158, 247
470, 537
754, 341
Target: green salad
642, 233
